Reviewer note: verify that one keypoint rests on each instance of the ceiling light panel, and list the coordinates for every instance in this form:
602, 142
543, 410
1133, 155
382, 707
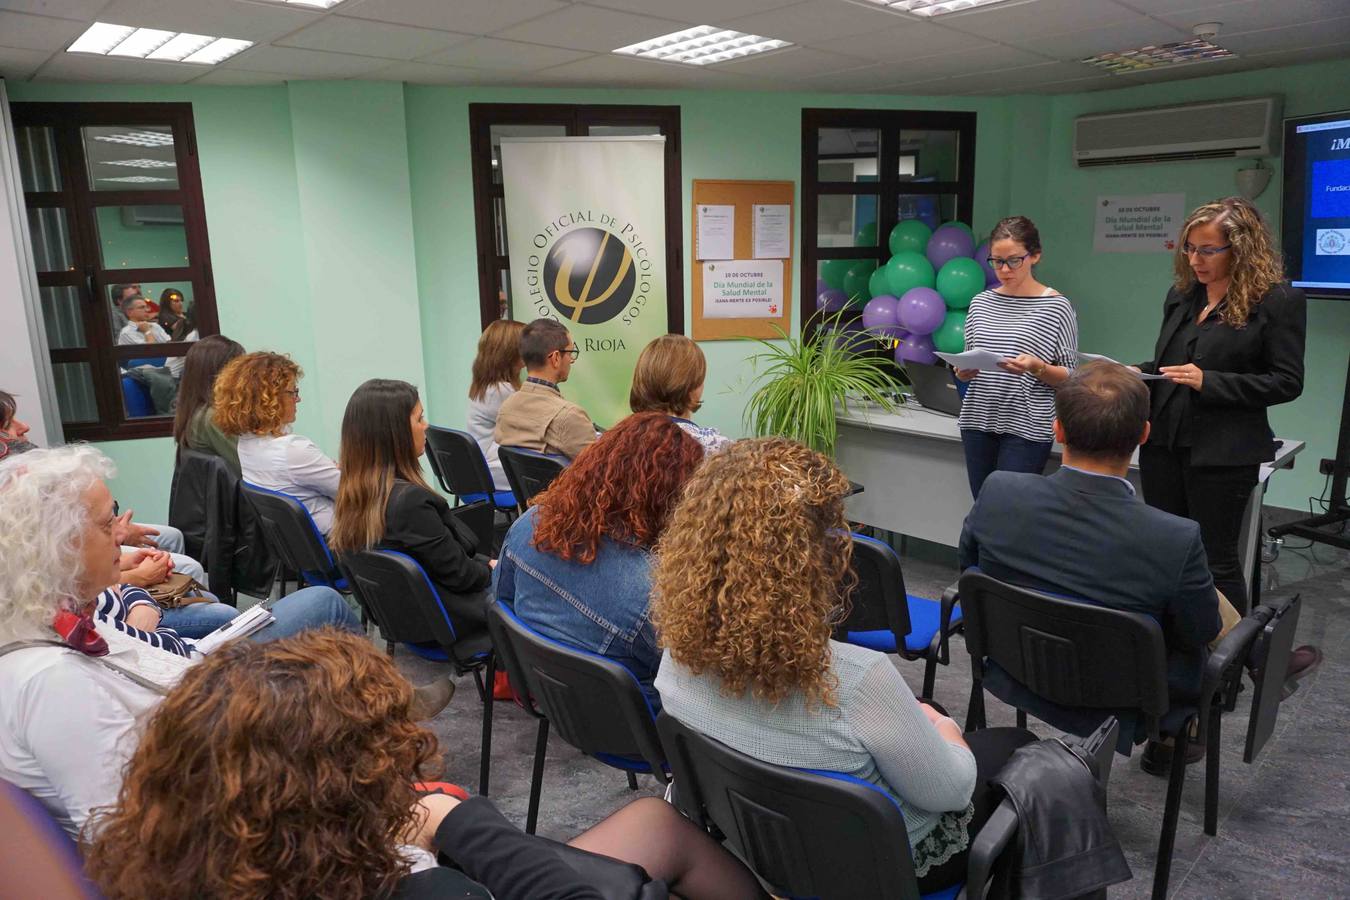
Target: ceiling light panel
140, 163
135, 179
312, 4
702, 45
138, 138
1157, 56
104, 39
930, 8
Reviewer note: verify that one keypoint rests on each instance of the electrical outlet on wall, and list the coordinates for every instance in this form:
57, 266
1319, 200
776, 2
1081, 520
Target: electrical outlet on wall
1326, 466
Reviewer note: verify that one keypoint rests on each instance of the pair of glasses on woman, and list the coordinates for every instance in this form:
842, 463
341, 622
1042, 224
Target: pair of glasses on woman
1010, 263
1206, 252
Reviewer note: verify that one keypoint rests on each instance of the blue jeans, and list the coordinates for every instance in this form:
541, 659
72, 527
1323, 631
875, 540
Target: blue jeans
987, 452
311, 607
196, 620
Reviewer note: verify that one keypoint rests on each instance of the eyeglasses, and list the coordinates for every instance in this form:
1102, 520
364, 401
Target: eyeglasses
294, 392
1206, 252
1011, 263
572, 352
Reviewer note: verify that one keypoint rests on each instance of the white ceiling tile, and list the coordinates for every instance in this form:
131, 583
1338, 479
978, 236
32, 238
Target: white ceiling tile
422, 73
815, 21
82, 67
582, 27
849, 81
61, 9
1020, 21
1303, 55
19, 64
483, 17
364, 38
25, 32
494, 53
1075, 85
902, 41
700, 12
608, 70
1164, 7
303, 64
256, 22
1313, 34
793, 62
1257, 15
240, 78
1090, 42
950, 65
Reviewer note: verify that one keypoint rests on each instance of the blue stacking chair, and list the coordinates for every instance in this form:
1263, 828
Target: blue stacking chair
462, 470
887, 619
594, 703
294, 538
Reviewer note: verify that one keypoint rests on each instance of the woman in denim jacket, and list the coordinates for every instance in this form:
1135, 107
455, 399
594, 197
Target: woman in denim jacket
576, 567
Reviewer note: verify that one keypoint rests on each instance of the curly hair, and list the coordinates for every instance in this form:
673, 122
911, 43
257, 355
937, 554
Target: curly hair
274, 770
752, 568
1256, 262
667, 373
249, 394
43, 508
622, 487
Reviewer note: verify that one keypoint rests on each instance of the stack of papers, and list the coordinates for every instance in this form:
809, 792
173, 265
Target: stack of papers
242, 625
984, 360
1089, 357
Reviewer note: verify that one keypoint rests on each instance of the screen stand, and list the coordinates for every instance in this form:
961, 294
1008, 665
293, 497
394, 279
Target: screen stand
1338, 509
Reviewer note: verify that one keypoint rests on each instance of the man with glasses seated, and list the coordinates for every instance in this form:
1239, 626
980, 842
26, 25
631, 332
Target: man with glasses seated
537, 417
141, 328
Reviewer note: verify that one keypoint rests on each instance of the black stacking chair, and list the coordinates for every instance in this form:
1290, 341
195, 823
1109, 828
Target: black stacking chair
1079, 656
460, 467
294, 538
220, 528
1270, 665
529, 472
885, 618
397, 594
595, 703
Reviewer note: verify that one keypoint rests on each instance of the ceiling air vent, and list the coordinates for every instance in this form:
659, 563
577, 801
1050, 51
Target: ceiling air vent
1219, 130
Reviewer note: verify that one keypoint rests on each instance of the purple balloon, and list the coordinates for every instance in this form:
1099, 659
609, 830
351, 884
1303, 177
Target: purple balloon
880, 311
831, 300
982, 254
949, 242
922, 310
916, 348
821, 286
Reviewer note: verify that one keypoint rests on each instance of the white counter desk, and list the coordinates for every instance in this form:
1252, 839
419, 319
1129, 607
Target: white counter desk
913, 471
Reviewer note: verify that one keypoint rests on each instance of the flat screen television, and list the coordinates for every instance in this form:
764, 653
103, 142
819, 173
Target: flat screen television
1315, 221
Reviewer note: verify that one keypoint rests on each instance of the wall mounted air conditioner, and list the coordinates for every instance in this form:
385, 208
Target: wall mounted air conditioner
1219, 130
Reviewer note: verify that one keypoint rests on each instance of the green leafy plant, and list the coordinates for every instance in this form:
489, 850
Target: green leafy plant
801, 379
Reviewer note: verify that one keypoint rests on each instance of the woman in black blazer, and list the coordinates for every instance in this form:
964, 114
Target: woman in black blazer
1231, 345
384, 502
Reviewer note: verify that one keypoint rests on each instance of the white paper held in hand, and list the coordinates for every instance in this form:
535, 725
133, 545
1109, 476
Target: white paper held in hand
246, 623
984, 360
1090, 357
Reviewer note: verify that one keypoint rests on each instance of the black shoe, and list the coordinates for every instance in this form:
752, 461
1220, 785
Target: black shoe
1157, 758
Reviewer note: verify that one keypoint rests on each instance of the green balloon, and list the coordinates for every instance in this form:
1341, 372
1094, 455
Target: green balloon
877, 284
856, 281
910, 234
963, 226
834, 270
867, 235
959, 281
908, 269
950, 336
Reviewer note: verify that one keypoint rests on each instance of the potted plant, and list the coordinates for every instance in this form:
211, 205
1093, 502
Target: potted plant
800, 380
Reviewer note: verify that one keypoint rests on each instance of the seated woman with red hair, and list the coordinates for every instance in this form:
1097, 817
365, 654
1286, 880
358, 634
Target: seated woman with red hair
577, 567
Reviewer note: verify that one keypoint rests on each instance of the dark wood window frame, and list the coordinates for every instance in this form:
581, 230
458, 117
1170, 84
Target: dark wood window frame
80, 202
888, 187
577, 119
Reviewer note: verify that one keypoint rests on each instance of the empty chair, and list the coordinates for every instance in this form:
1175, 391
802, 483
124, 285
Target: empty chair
294, 538
529, 472
459, 466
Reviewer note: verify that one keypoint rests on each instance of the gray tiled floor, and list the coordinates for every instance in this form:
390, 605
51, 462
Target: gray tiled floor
1283, 823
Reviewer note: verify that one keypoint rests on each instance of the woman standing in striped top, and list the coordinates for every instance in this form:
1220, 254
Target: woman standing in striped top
1007, 417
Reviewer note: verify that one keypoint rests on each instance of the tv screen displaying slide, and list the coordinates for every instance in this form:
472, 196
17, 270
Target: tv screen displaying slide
1316, 215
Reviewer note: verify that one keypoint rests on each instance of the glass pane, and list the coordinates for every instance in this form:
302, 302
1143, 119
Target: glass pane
142, 237
149, 387
929, 155
618, 130
931, 209
75, 392
848, 283
62, 315
131, 158
499, 226
847, 154
166, 304
846, 220
38, 168
498, 132
504, 295
50, 233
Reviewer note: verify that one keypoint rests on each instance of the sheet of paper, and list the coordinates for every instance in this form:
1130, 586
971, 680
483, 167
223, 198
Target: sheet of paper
773, 231
984, 360
715, 237
743, 289
1089, 357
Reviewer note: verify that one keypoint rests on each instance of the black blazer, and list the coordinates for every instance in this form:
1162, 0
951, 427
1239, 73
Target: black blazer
418, 522
1246, 370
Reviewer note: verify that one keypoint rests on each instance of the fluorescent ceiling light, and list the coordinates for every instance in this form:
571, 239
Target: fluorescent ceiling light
152, 43
136, 179
138, 138
702, 45
313, 4
140, 163
929, 8
1157, 56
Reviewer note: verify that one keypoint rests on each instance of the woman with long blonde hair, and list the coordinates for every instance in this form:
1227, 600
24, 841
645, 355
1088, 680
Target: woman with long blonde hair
496, 376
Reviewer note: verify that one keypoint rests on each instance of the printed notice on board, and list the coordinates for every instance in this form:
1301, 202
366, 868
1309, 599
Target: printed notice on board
773, 231
743, 289
715, 234
1143, 223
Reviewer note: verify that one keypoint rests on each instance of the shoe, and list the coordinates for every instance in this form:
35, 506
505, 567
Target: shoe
1157, 757
429, 699
1302, 661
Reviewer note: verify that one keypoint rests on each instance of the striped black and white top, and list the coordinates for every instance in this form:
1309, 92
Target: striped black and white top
116, 602
1001, 402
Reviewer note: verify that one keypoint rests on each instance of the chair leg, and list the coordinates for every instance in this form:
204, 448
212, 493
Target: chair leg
929, 677
478, 683
1171, 811
537, 776
632, 781
1212, 773
975, 712
1022, 718
485, 753
389, 648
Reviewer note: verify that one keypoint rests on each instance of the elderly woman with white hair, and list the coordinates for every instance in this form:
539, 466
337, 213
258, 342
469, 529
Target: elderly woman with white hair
76, 681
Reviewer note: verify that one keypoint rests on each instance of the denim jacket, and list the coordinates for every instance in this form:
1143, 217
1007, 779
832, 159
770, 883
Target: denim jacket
603, 607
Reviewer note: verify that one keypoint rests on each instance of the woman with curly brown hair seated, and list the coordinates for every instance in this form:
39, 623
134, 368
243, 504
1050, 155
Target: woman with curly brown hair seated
287, 770
751, 572
255, 398
577, 566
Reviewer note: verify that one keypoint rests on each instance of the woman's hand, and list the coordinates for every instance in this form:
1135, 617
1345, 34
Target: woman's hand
1023, 364
151, 567
1190, 375
967, 374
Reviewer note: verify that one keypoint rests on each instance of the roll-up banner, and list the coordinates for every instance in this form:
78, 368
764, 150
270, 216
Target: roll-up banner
586, 235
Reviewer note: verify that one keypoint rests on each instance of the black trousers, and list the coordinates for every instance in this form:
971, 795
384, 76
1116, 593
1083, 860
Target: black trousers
1215, 497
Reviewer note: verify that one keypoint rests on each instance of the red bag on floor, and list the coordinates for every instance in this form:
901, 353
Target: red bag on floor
501, 688
441, 787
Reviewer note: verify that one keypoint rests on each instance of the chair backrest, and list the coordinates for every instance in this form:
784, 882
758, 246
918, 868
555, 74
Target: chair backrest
478, 517
399, 596
458, 462
189, 492
1273, 647
805, 833
529, 472
37, 858
292, 534
593, 703
1070, 652
878, 601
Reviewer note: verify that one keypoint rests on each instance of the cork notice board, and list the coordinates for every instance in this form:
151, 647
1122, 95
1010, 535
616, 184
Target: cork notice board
743, 196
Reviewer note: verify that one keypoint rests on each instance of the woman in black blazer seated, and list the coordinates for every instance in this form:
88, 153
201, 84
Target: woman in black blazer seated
385, 503
1231, 345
